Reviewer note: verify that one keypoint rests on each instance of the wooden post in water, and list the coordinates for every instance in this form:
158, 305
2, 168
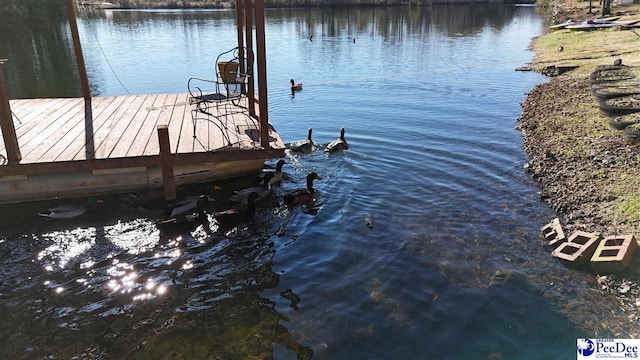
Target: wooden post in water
6, 122
84, 82
166, 163
261, 55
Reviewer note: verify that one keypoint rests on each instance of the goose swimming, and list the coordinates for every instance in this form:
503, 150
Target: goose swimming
303, 196
186, 216
277, 175
305, 145
241, 196
338, 144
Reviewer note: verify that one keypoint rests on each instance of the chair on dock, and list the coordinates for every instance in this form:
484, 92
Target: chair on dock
216, 101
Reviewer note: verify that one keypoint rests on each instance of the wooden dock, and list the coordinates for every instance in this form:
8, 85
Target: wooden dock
60, 156
55, 148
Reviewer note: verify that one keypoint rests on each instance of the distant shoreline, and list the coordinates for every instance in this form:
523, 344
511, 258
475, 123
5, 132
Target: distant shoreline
230, 4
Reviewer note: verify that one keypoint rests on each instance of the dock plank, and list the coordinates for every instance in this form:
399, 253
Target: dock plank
147, 127
245, 131
32, 136
41, 119
22, 108
108, 136
176, 123
98, 106
77, 150
121, 149
115, 137
185, 144
201, 141
164, 118
53, 146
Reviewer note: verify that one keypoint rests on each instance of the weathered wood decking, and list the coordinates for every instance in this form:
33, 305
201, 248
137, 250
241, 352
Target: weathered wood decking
52, 139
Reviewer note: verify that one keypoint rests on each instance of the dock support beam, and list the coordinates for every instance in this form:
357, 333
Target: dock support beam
239, 29
6, 122
166, 163
84, 81
248, 32
262, 73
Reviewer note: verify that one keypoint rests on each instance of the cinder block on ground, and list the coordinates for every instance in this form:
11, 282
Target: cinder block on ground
614, 253
578, 249
553, 234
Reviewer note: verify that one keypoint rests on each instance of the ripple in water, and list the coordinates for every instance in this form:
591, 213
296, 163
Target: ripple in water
422, 241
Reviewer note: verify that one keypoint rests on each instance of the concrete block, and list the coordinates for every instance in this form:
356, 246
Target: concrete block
614, 253
578, 249
553, 234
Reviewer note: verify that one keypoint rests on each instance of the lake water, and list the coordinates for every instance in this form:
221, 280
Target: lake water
451, 268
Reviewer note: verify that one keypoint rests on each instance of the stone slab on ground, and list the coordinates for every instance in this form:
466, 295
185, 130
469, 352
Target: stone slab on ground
578, 249
614, 253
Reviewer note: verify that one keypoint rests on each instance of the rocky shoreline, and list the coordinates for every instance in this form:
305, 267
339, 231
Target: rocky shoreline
588, 173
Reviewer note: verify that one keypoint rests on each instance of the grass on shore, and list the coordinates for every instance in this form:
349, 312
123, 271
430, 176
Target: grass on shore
588, 172
575, 126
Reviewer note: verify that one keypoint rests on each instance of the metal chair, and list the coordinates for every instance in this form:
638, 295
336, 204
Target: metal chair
226, 93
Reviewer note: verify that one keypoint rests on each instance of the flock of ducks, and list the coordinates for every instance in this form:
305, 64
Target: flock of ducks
306, 145
192, 212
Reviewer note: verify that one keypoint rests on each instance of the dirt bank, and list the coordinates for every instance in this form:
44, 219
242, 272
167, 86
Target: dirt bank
589, 173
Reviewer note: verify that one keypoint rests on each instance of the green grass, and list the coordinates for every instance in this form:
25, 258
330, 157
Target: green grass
630, 207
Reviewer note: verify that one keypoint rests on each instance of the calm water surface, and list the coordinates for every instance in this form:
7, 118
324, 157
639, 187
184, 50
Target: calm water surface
452, 267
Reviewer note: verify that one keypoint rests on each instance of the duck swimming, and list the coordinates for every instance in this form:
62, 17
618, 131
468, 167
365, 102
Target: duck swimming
70, 211
186, 216
188, 205
63, 212
303, 196
232, 217
305, 145
241, 196
338, 144
277, 175
295, 87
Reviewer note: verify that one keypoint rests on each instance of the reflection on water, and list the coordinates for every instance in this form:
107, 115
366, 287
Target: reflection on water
423, 241
42, 62
122, 290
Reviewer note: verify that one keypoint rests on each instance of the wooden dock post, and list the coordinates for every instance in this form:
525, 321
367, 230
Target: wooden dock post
84, 81
6, 122
262, 74
166, 163
248, 24
240, 31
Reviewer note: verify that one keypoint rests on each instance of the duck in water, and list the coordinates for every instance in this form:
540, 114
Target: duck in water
305, 145
339, 143
295, 87
242, 196
277, 175
303, 196
186, 216
233, 217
